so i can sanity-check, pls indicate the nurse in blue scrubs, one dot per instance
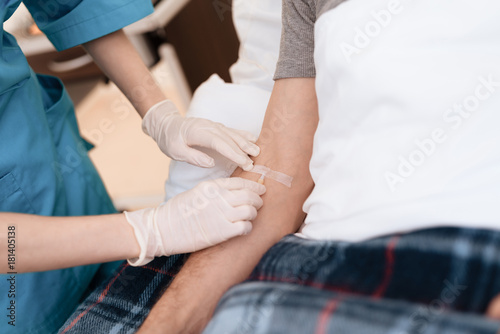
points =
(44, 167)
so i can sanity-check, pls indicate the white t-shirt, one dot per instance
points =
(409, 117)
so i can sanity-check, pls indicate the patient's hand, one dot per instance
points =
(286, 146)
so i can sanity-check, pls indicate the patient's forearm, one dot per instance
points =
(286, 146)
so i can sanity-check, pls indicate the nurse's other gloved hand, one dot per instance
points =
(176, 135)
(208, 214)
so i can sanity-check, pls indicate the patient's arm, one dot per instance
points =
(286, 146)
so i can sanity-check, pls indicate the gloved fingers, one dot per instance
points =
(223, 143)
(196, 157)
(245, 134)
(235, 183)
(244, 143)
(205, 133)
(244, 197)
(240, 228)
(242, 212)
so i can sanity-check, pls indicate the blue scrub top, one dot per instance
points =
(44, 167)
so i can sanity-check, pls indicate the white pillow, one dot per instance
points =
(258, 25)
(238, 106)
(242, 104)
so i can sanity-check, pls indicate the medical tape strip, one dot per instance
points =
(276, 176)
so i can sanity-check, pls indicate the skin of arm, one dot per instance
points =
(286, 143)
(493, 310)
(119, 60)
(47, 243)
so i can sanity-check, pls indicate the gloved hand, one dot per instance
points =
(176, 135)
(208, 214)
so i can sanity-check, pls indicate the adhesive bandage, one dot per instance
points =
(273, 175)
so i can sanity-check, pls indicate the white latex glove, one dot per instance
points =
(208, 214)
(176, 135)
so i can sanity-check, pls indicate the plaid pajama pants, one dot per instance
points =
(430, 281)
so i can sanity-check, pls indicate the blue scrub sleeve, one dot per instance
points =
(80, 21)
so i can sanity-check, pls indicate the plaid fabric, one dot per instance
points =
(271, 307)
(121, 304)
(430, 281)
